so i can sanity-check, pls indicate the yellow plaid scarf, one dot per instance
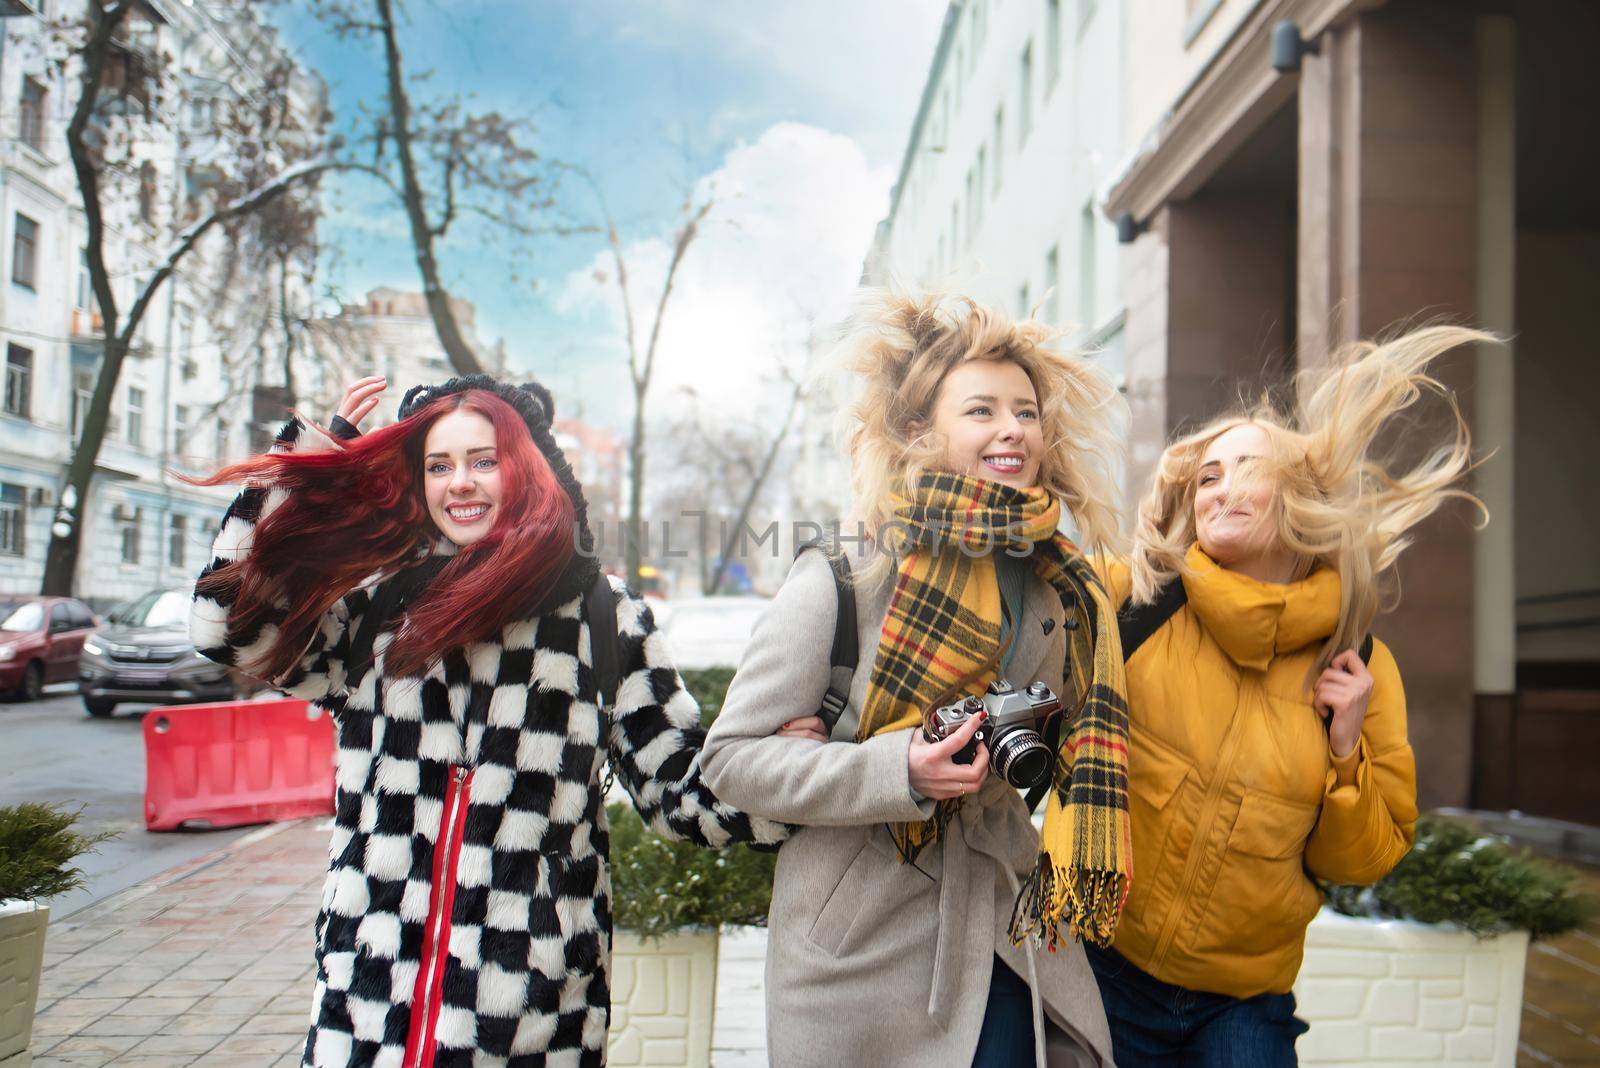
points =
(941, 641)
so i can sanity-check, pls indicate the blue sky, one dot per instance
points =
(796, 113)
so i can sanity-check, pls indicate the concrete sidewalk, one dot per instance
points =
(210, 964)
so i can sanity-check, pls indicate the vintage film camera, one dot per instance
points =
(1017, 753)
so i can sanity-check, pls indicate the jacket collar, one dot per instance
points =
(1254, 621)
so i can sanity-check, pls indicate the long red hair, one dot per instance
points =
(359, 510)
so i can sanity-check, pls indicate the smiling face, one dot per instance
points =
(988, 414)
(1233, 508)
(461, 476)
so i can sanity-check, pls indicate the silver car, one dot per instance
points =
(144, 655)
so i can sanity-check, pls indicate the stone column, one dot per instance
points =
(1494, 418)
(1388, 238)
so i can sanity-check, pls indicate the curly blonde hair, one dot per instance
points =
(1338, 504)
(900, 346)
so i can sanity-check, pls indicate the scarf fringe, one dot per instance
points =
(910, 839)
(1057, 896)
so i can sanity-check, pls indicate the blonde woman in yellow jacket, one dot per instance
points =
(1265, 753)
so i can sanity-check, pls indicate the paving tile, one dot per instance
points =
(83, 1008)
(218, 1005)
(174, 1045)
(115, 988)
(109, 1046)
(125, 1026)
(277, 1045)
(277, 1024)
(254, 988)
(297, 1000)
(190, 988)
(194, 1022)
(157, 1006)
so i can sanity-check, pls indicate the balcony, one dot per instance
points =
(86, 324)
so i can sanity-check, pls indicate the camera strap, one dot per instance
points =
(842, 658)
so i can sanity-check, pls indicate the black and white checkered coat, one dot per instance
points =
(526, 977)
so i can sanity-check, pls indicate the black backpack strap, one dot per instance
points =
(1365, 652)
(388, 597)
(1136, 622)
(600, 607)
(842, 658)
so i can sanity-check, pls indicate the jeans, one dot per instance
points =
(1156, 1023)
(1006, 1038)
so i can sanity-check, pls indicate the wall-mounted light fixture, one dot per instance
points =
(1129, 228)
(1288, 48)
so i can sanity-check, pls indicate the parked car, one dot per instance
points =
(40, 638)
(144, 655)
(709, 632)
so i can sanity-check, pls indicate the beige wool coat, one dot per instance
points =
(871, 961)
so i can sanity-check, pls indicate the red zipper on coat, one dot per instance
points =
(427, 998)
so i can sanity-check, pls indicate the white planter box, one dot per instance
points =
(662, 996)
(22, 925)
(1397, 993)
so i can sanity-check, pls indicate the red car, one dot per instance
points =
(40, 639)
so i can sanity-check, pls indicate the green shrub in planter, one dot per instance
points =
(1454, 874)
(661, 887)
(708, 686)
(37, 848)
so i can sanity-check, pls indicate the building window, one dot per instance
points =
(1086, 265)
(82, 397)
(1023, 302)
(177, 535)
(135, 416)
(1052, 44)
(971, 194)
(983, 178)
(999, 145)
(131, 520)
(956, 244)
(24, 248)
(85, 293)
(202, 115)
(1025, 95)
(1052, 284)
(180, 427)
(19, 381)
(31, 112)
(147, 193)
(13, 520)
(222, 438)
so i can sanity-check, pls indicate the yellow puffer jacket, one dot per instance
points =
(1236, 798)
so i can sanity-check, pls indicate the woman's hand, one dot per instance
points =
(1341, 695)
(360, 397)
(933, 771)
(808, 727)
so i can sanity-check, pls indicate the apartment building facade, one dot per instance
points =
(1019, 126)
(184, 402)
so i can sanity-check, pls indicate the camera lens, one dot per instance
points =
(1020, 757)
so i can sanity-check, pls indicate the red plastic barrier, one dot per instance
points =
(236, 763)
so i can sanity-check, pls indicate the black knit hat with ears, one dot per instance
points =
(537, 408)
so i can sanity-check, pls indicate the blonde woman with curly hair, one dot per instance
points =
(1269, 741)
(903, 903)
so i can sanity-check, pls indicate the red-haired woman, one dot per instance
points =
(425, 584)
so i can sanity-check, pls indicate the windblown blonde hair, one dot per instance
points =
(902, 345)
(1337, 504)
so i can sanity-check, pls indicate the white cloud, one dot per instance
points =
(780, 255)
